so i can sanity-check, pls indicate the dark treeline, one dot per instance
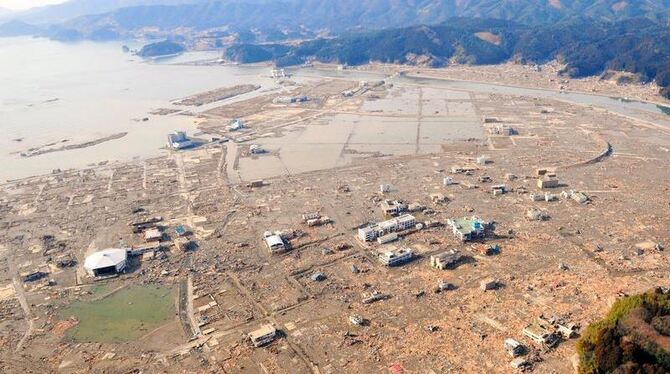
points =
(587, 47)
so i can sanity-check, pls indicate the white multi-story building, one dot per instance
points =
(179, 140)
(368, 233)
(375, 230)
(397, 257)
(405, 222)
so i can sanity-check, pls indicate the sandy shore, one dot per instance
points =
(50, 149)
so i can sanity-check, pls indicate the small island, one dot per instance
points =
(161, 49)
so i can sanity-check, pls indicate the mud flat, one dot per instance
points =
(402, 121)
(45, 149)
(217, 95)
(164, 111)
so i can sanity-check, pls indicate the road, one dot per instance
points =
(21, 296)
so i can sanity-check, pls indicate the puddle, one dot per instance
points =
(124, 315)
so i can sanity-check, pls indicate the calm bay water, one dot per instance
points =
(50, 91)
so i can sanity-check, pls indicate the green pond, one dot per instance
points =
(124, 315)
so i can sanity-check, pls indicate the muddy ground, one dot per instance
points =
(330, 154)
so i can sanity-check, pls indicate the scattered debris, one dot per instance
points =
(514, 348)
(489, 284)
(318, 277)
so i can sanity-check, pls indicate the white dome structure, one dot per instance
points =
(106, 262)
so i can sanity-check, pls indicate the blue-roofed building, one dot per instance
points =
(180, 230)
(468, 228)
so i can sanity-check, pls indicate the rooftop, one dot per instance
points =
(273, 240)
(467, 225)
(105, 258)
(262, 331)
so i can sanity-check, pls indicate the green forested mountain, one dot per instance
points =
(162, 48)
(587, 47)
(589, 36)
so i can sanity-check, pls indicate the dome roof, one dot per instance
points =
(105, 258)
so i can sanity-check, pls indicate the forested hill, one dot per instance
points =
(267, 20)
(341, 15)
(162, 48)
(586, 46)
(588, 35)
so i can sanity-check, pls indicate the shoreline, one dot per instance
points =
(44, 150)
(377, 69)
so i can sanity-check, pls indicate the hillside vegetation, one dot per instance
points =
(285, 19)
(589, 36)
(586, 47)
(634, 337)
(343, 15)
(163, 48)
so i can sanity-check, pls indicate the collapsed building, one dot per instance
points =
(237, 124)
(540, 334)
(275, 242)
(577, 196)
(290, 99)
(447, 260)
(548, 180)
(489, 284)
(501, 129)
(315, 219)
(393, 207)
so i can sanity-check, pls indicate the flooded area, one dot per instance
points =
(53, 92)
(93, 103)
(407, 121)
(631, 108)
(617, 105)
(123, 315)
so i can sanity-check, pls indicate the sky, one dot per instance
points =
(26, 4)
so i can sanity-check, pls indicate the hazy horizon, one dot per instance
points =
(27, 4)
